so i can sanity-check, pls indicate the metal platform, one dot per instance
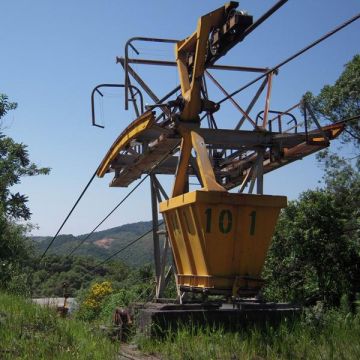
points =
(155, 319)
(158, 141)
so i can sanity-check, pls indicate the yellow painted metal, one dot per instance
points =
(197, 45)
(181, 171)
(139, 125)
(220, 239)
(191, 139)
(204, 164)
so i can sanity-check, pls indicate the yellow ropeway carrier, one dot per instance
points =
(219, 239)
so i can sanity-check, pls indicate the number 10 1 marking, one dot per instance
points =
(225, 217)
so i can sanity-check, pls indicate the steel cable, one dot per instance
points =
(68, 215)
(284, 62)
(122, 201)
(126, 246)
(300, 52)
(106, 217)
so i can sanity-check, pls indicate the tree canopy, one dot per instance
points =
(14, 164)
(315, 254)
(341, 100)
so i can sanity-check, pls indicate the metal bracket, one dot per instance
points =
(96, 90)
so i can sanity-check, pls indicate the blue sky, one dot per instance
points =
(54, 53)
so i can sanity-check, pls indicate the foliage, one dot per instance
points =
(341, 101)
(15, 164)
(311, 258)
(28, 331)
(14, 248)
(78, 272)
(336, 337)
(96, 295)
(102, 244)
(126, 297)
(6, 105)
(137, 286)
(315, 254)
(342, 178)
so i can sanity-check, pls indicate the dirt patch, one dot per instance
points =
(131, 352)
(104, 243)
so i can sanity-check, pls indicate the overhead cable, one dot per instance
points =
(68, 215)
(107, 216)
(122, 201)
(126, 246)
(300, 52)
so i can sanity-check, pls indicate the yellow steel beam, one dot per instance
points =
(197, 44)
(131, 132)
(205, 167)
(191, 139)
(181, 171)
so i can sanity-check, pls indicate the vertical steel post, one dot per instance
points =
(155, 221)
(267, 101)
(260, 172)
(164, 277)
(161, 287)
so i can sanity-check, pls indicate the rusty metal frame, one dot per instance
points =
(257, 156)
(96, 90)
(162, 274)
(236, 104)
(267, 99)
(128, 44)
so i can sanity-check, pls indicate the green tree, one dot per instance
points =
(14, 164)
(6, 105)
(315, 254)
(341, 101)
(311, 257)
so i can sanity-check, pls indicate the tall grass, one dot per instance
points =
(333, 336)
(28, 331)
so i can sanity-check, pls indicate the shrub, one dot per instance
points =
(91, 305)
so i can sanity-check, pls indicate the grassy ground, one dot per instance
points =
(28, 331)
(330, 336)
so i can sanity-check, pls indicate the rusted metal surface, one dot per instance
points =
(237, 106)
(156, 319)
(220, 158)
(289, 146)
(144, 163)
(226, 150)
(173, 64)
(128, 44)
(97, 90)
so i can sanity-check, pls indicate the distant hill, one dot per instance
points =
(104, 243)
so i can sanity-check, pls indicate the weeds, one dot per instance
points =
(28, 331)
(335, 337)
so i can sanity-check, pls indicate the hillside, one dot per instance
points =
(104, 243)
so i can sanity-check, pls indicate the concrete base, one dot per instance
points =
(155, 319)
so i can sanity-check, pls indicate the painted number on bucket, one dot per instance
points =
(225, 220)
(208, 219)
(253, 222)
(174, 222)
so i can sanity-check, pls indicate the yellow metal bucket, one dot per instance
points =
(220, 240)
